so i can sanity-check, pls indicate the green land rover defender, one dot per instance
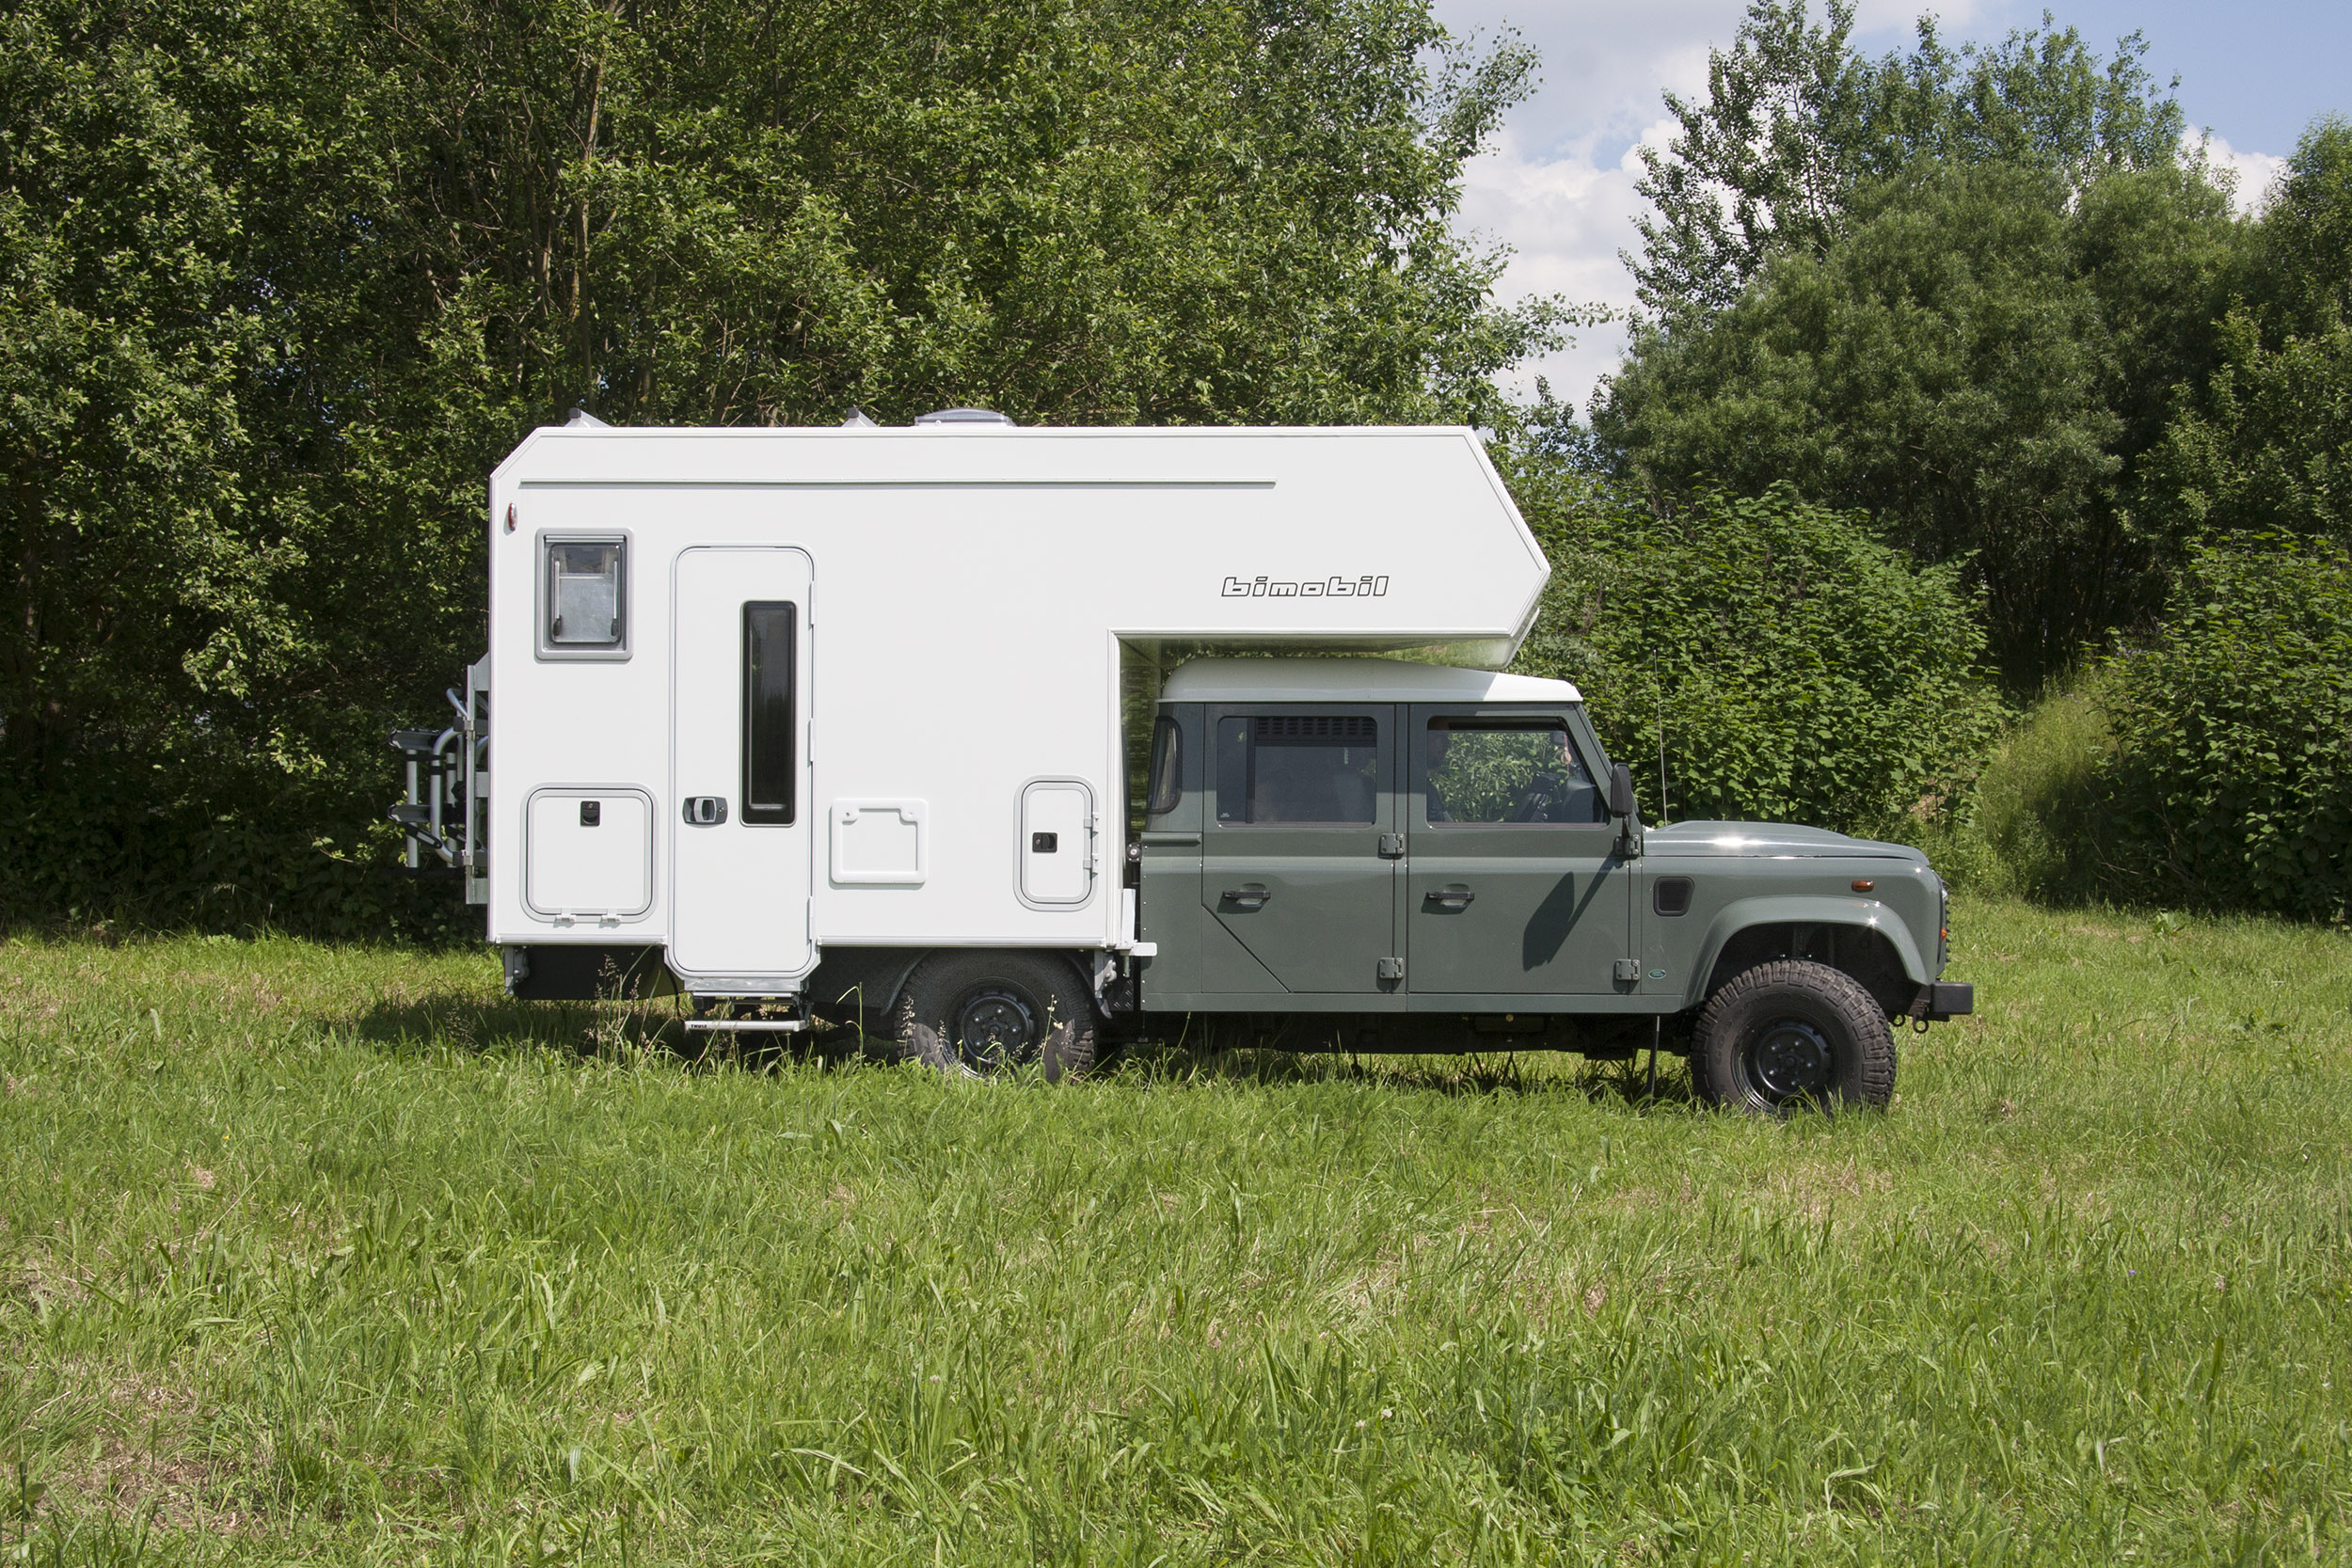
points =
(1368, 855)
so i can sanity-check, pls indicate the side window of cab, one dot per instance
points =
(1507, 769)
(1306, 769)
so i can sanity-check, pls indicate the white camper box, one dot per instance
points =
(948, 608)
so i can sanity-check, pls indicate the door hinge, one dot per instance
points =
(1629, 969)
(1392, 847)
(1390, 969)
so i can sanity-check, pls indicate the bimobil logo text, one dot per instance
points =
(1327, 588)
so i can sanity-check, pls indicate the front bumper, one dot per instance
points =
(1942, 1001)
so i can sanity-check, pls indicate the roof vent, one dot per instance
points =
(964, 415)
(859, 420)
(583, 420)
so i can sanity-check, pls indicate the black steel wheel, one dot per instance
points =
(1789, 1035)
(982, 1014)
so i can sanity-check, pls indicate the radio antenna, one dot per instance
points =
(1663, 819)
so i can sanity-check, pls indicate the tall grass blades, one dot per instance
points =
(326, 1254)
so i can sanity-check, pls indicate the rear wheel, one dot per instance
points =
(978, 1014)
(1791, 1033)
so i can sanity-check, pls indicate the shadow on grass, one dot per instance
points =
(472, 1024)
(469, 1023)
(1627, 1082)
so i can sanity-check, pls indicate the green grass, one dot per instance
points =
(327, 1254)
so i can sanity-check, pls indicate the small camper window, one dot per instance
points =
(585, 602)
(767, 636)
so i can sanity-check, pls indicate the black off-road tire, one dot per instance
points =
(1791, 1033)
(977, 1014)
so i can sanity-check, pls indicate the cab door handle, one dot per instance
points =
(1455, 898)
(1249, 897)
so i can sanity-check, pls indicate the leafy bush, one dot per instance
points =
(2212, 768)
(1798, 669)
(103, 847)
(1976, 362)
(2230, 779)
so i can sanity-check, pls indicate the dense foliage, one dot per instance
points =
(1795, 121)
(1987, 301)
(1974, 361)
(1956, 291)
(1789, 665)
(1984, 298)
(2213, 767)
(280, 280)
(2264, 443)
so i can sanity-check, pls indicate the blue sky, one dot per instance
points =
(1557, 187)
(2256, 73)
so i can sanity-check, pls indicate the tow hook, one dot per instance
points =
(1941, 1001)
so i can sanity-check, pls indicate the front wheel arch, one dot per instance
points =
(1864, 953)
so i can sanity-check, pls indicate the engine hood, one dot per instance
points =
(1767, 840)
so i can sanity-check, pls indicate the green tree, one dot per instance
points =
(1795, 122)
(2264, 444)
(1976, 361)
(280, 280)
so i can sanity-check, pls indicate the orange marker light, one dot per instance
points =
(1863, 884)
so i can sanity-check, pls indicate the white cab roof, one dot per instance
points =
(1353, 680)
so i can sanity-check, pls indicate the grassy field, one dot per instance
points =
(332, 1255)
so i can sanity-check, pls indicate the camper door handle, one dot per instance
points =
(1251, 896)
(704, 811)
(1449, 897)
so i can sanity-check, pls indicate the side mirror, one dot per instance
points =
(1621, 807)
(1620, 791)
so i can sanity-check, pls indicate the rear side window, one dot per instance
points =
(1305, 768)
(1494, 771)
(583, 596)
(1168, 767)
(769, 631)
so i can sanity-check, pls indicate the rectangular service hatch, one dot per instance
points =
(588, 853)
(1056, 843)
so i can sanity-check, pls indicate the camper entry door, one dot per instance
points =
(739, 869)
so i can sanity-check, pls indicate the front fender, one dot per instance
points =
(1802, 909)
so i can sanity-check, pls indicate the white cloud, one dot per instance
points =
(1567, 218)
(2254, 171)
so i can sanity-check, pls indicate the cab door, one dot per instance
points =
(1301, 851)
(738, 818)
(1513, 888)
